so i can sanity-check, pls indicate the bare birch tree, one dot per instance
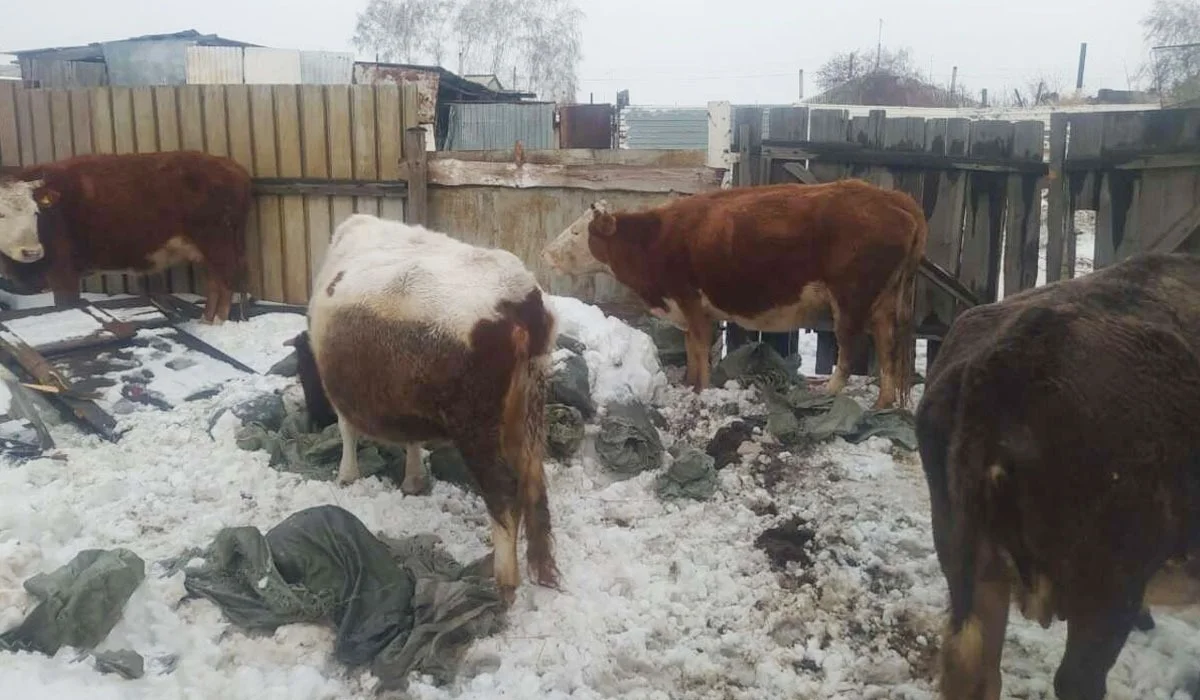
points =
(539, 40)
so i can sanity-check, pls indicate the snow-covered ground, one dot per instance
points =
(660, 599)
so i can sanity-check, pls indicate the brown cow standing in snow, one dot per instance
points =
(420, 338)
(141, 212)
(1059, 441)
(768, 258)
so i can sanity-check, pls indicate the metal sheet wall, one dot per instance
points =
(492, 125)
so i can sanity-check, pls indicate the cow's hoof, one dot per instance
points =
(345, 479)
(508, 595)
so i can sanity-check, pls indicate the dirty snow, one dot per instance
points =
(659, 600)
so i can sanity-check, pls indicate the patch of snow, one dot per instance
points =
(659, 599)
(54, 326)
(622, 361)
(257, 342)
(37, 301)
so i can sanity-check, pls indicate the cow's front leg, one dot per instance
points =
(699, 341)
(64, 284)
(416, 480)
(348, 469)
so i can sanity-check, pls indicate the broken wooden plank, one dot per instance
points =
(948, 282)
(801, 173)
(40, 368)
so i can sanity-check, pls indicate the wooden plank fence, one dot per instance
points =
(317, 153)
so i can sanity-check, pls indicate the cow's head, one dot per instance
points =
(571, 252)
(20, 201)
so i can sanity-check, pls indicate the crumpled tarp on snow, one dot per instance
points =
(796, 414)
(692, 474)
(628, 443)
(402, 605)
(81, 602)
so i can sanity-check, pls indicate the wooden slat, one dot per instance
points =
(294, 243)
(10, 135)
(60, 120)
(1022, 224)
(979, 267)
(190, 108)
(81, 121)
(178, 277)
(43, 128)
(316, 165)
(943, 200)
(366, 157)
(266, 164)
(25, 126)
(216, 130)
(390, 135)
(104, 140)
(123, 129)
(341, 150)
(145, 125)
(1058, 208)
(409, 106)
(416, 208)
(241, 149)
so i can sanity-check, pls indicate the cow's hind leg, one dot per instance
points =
(216, 307)
(416, 480)
(971, 653)
(1094, 641)
(883, 331)
(348, 468)
(847, 325)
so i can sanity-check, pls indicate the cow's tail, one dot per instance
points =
(903, 349)
(524, 443)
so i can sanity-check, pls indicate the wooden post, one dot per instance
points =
(416, 205)
(1082, 60)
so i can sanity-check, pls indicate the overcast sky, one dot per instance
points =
(685, 52)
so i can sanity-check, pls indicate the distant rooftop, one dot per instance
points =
(95, 52)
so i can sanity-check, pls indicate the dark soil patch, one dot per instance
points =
(789, 542)
(724, 444)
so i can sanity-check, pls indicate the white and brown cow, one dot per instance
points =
(419, 338)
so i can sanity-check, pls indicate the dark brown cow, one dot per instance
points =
(141, 212)
(769, 259)
(422, 338)
(1059, 441)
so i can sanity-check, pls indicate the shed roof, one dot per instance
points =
(95, 51)
(457, 86)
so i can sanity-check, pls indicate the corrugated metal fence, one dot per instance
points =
(486, 126)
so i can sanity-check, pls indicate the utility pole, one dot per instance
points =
(953, 79)
(800, 97)
(983, 97)
(879, 46)
(1082, 60)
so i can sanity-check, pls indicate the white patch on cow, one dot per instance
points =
(569, 254)
(410, 273)
(18, 221)
(814, 298)
(672, 314)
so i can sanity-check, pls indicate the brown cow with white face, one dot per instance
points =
(770, 259)
(421, 338)
(1059, 440)
(141, 212)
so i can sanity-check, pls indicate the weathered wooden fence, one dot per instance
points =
(317, 154)
(1140, 173)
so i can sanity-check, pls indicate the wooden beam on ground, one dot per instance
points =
(451, 172)
(328, 188)
(41, 370)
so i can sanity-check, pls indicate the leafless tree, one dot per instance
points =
(845, 66)
(1173, 71)
(539, 40)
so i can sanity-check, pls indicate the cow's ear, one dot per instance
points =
(46, 197)
(603, 225)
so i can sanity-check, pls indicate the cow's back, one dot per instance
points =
(753, 248)
(416, 334)
(117, 209)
